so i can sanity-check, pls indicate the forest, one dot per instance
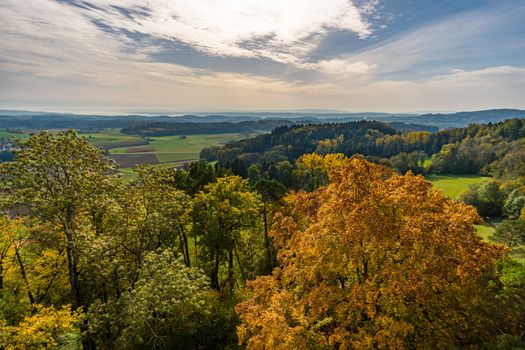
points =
(315, 236)
(170, 128)
(495, 149)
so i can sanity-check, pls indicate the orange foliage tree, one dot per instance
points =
(372, 260)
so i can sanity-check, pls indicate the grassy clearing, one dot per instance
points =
(130, 160)
(12, 136)
(189, 144)
(169, 149)
(454, 185)
(485, 231)
(176, 156)
(112, 139)
(129, 175)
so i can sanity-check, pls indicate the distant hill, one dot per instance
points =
(462, 119)
(43, 120)
(166, 128)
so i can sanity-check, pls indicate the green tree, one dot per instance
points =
(165, 212)
(514, 203)
(271, 192)
(224, 214)
(254, 173)
(164, 309)
(52, 179)
(510, 233)
(487, 198)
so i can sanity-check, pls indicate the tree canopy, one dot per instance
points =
(372, 260)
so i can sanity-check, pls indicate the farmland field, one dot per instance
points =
(130, 160)
(454, 185)
(174, 149)
(12, 136)
(113, 139)
(129, 150)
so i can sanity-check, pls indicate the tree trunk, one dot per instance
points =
(185, 249)
(87, 340)
(26, 281)
(72, 271)
(72, 264)
(195, 248)
(230, 270)
(270, 261)
(215, 273)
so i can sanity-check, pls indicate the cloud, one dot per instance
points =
(457, 90)
(46, 38)
(341, 66)
(469, 37)
(282, 30)
(99, 53)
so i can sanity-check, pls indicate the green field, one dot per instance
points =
(454, 185)
(169, 149)
(12, 136)
(112, 139)
(130, 175)
(485, 231)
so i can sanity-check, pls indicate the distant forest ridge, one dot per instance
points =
(485, 149)
(239, 122)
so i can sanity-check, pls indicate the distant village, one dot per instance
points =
(8, 146)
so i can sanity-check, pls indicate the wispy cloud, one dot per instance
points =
(467, 38)
(492, 87)
(341, 66)
(282, 30)
(102, 52)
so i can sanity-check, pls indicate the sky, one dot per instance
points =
(169, 56)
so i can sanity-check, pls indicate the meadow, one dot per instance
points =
(113, 138)
(129, 150)
(12, 136)
(176, 149)
(454, 185)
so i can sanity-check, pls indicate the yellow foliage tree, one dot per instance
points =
(372, 260)
(45, 329)
(31, 272)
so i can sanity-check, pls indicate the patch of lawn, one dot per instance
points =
(176, 156)
(485, 231)
(129, 175)
(113, 139)
(169, 149)
(454, 185)
(12, 136)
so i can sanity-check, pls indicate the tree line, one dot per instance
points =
(189, 128)
(495, 149)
